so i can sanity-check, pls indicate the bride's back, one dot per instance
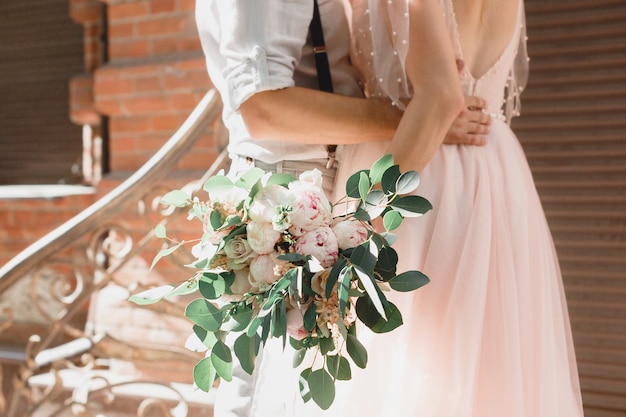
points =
(485, 28)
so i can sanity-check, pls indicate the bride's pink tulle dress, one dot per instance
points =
(489, 336)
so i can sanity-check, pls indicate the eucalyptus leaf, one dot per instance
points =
(343, 289)
(222, 360)
(408, 281)
(310, 317)
(204, 314)
(240, 317)
(245, 352)
(217, 184)
(370, 317)
(204, 374)
(357, 351)
(363, 258)
(160, 232)
(364, 186)
(389, 180)
(152, 295)
(280, 179)
(250, 178)
(207, 338)
(372, 291)
(375, 203)
(411, 205)
(378, 169)
(185, 288)
(303, 383)
(338, 367)
(322, 388)
(298, 357)
(392, 220)
(176, 198)
(215, 219)
(165, 252)
(194, 344)
(408, 182)
(212, 289)
(352, 184)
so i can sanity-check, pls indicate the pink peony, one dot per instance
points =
(262, 237)
(310, 210)
(295, 324)
(350, 233)
(263, 271)
(321, 244)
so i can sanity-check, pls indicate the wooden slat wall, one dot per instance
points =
(573, 128)
(40, 49)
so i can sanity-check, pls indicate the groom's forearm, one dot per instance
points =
(303, 115)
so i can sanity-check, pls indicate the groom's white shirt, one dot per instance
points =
(252, 46)
(257, 45)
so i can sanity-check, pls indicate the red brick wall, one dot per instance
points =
(153, 79)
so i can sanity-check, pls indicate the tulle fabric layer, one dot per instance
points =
(490, 335)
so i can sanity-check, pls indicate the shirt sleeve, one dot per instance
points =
(261, 43)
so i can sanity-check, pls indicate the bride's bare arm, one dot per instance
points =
(437, 97)
(297, 114)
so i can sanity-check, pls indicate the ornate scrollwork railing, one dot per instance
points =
(80, 258)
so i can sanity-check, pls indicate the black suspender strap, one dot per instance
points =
(323, 68)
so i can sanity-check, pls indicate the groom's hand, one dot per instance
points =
(471, 125)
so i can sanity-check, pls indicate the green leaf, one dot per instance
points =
(386, 265)
(411, 205)
(338, 367)
(408, 281)
(392, 220)
(352, 185)
(245, 352)
(291, 257)
(303, 383)
(322, 388)
(357, 351)
(165, 252)
(279, 320)
(375, 203)
(378, 169)
(394, 320)
(212, 289)
(160, 232)
(280, 179)
(222, 360)
(185, 288)
(204, 374)
(369, 316)
(215, 219)
(208, 338)
(343, 289)
(364, 186)
(310, 317)
(218, 184)
(363, 258)
(407, 182)
(249, 178)
(240, 317)
(254, 326)
(298, 357)
(176, 198)
(372, 291)
(152, 295)
(390, 177)
(327, 344)
(333, 276)
(204, 314)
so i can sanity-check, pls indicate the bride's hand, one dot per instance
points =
(471, 125)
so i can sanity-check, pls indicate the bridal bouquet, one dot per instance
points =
(273, 261)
